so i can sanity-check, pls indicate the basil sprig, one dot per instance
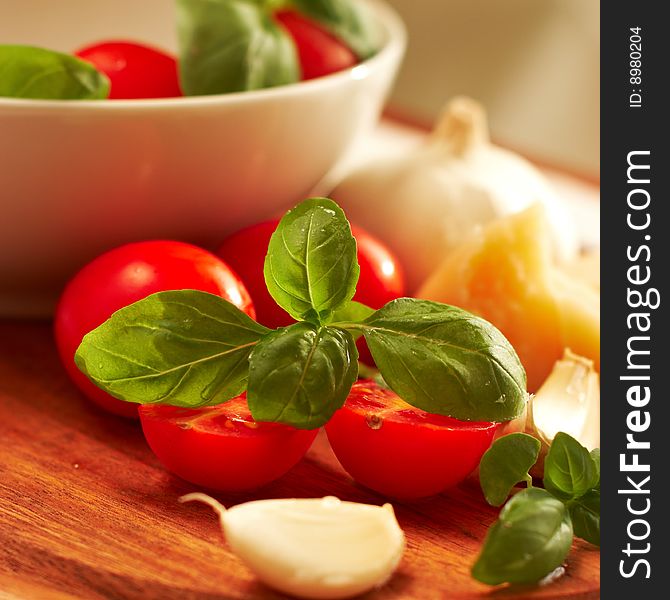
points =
(183, 348)
(40, 74)
(188, 348)
(534, 531)
(506, 463)
(530, 539)
(457, 355)
(302, 373)
(569, 469)
(311, 267)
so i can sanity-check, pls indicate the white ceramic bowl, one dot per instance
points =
(80, 177)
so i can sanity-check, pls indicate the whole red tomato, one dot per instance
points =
(381, 279)
(134, 70)
(400, 451)
(222, 447)
(123, 276)
(319, 52)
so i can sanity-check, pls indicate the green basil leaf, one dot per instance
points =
(232, 46)
(349, 20)
(529, 540)
(184, 348)
(446, 361)
(585, 515)
(595, 455)
(569, 469)
(311, 268)
(352, 312)
(301, 374)
(507, 463)
(36, 73)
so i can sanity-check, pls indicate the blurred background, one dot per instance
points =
(534, 64)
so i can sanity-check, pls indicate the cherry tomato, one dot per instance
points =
(134, 70)
(123, 276)
(319, 52)
(222, 447)
(245, 252)
(381, 279)
(400, 451)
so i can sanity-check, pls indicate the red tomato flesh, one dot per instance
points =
(400, 451)
(222, 447)
(319, 52)
(381, 279)
(123, 276)
(134, 70)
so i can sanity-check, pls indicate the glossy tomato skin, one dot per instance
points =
(319, 52)
(222, 447)
(400, 451)
(381, 279)
(123, 276)
(134, 70)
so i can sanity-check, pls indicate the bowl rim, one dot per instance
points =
(396, 39)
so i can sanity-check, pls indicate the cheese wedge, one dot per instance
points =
(504, 273)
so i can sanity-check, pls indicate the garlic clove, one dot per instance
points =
(569, 401)
(314, 547)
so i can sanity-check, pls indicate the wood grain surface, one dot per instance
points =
(86, 511)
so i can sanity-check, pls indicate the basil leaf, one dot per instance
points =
(505, 464)
(184, 348)
(446, 361)
(232, 46)
(301, 374)
(530, 539)
(352, 312)
(36, 73)
(585, 515)
(311, 268)
(595, 455)
(349, 20)
(569, 469)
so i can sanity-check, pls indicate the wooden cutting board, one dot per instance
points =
(86, 511)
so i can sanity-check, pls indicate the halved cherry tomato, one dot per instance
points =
(319, 52)
(400, 451)
(222, 447)
(134, 70)
(381, 279)
(123, 276)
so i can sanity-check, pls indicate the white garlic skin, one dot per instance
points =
(314, 548)
(425, 203)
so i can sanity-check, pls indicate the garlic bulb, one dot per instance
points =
(425, 203)
(313, 547)
(568, 401)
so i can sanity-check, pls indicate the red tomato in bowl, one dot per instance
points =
(319, 52)
(134, 70)
(381, 279)
(123, 276)
(222, 447)
(400, 451)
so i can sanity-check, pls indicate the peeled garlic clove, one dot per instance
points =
(313, 547)
(569, 401)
